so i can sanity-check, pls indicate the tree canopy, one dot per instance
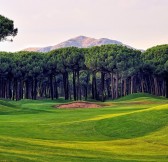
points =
(105, 72)
(7, 28)
(156, 59)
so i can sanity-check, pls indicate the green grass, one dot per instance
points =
(130, 129)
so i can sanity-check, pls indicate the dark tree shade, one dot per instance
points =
(7, 28)
(156, 59)
(106, 72)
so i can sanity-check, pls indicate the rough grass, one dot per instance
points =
(133, 129)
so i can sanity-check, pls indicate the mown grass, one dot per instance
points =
(133, 128)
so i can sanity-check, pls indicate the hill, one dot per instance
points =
(80, 42)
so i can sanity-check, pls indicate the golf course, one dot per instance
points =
(132, 128)
(84, 81)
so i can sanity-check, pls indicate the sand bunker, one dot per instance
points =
(79, 105)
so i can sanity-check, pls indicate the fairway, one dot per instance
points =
(132, 129)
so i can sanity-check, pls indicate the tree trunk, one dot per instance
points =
(116, 85)
(112, 86)
(132, 84)
(122, 88)
(51, 87)
(56, 88)
(125, 87)
(66, 85)
(86, 92)
(74, 85)
(107, 87)
(93, 93)
(102, 86)
(21, 90)
(27, 89)
(78, 87)
(142, 85)
(156, 85)
(35, 89)
(167, 88)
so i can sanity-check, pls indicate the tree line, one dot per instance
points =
(100, 73)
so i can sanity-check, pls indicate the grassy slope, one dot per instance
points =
(133, 128)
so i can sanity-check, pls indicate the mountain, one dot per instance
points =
(31, 49)
(80, 42)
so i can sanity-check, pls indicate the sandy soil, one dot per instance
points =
(79, 105)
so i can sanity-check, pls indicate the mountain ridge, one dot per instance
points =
(79, 41)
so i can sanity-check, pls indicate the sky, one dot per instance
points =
(138, 23)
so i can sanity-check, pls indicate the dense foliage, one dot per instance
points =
(156, 61)
(6, 28)
(108, 71)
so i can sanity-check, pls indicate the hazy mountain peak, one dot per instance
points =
(34, 49)
(80, 42)
(81, 37)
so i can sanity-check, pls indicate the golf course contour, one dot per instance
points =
(133, 128)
